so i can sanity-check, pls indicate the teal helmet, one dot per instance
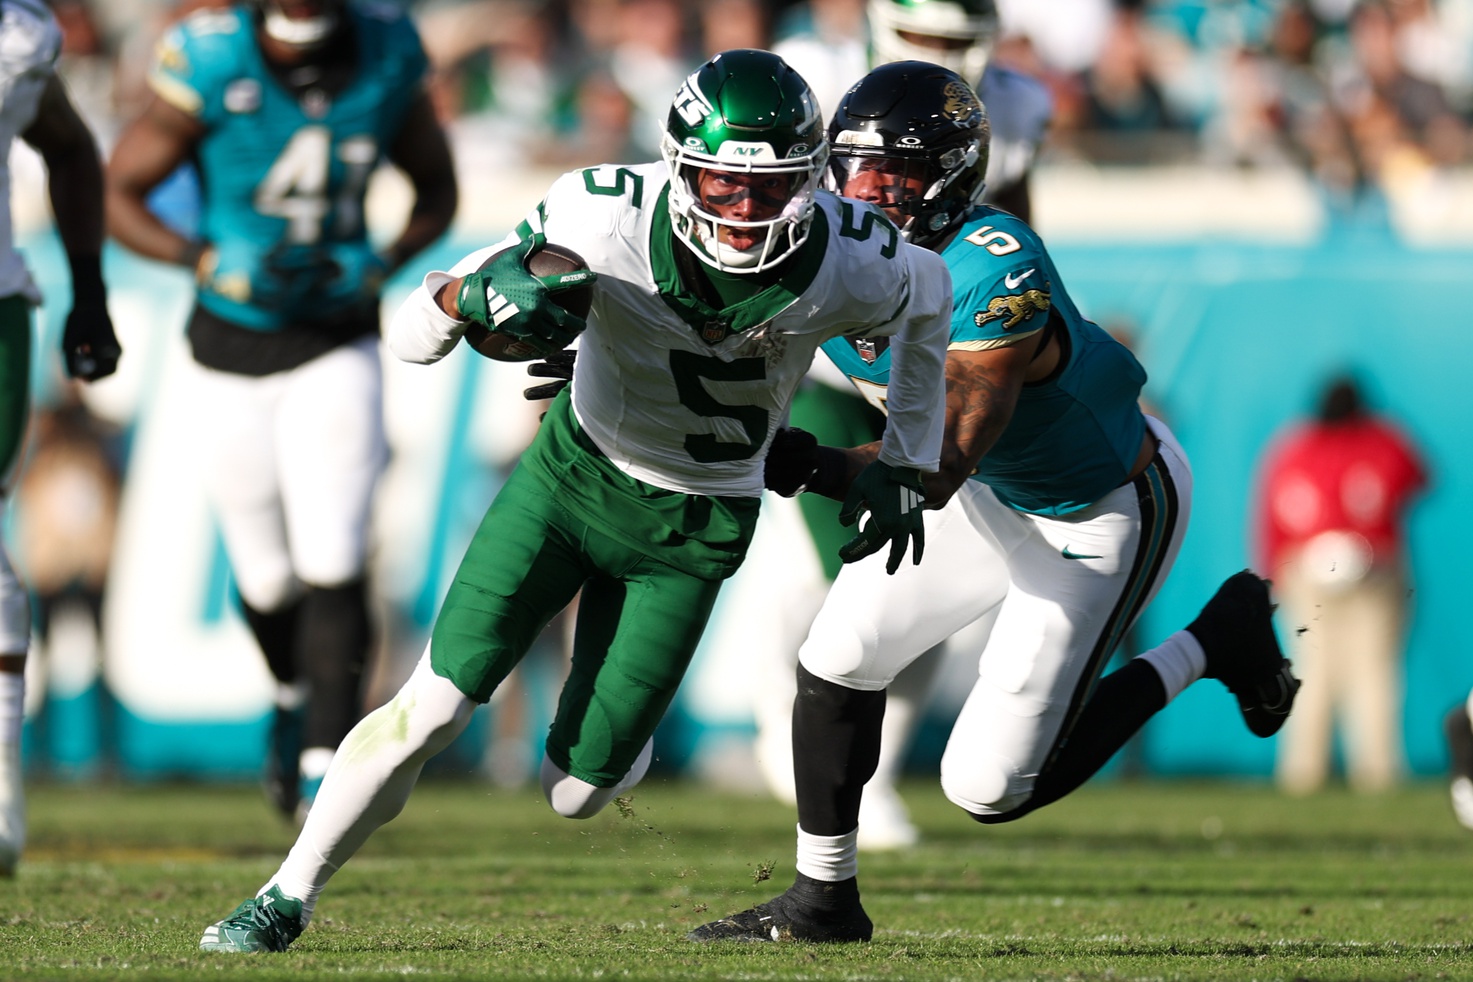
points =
(955, 34)
(744, 111)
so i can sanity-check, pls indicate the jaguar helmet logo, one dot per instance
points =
(1014, 309)
(960, 101)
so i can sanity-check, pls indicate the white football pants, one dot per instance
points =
(290, 462)
(1065, 589)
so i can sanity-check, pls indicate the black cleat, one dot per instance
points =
(1237, 634)
(810, 910)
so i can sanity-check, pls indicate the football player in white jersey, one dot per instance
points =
(719, 273)
(1059, 506)
(34, 106)
(959, 35)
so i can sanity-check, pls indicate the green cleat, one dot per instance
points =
(269, 922)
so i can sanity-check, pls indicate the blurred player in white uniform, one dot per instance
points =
(34, 106)
(720, 271)
(959, 35)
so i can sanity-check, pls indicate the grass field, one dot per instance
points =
(1121, 881)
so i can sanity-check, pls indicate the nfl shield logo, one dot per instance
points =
(714, 331)
(866, 349)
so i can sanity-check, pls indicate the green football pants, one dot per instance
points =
(639, 621)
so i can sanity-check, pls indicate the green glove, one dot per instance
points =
(504, 297)
(893, 496)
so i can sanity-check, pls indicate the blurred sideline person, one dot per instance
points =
(1064, 509)
(720, 271)
(287, 107)
(1331, 529)
(34, 105)
(959, 35)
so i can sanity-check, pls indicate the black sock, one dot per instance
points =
(836, 748)
(1119, 707)
(333, 637)
(276, 634)
(1459, 739)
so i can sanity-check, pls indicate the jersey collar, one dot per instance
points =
(716, 325)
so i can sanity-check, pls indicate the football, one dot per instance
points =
(550, 260)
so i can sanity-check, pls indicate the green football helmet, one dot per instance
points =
(955, 34)
(744, 111)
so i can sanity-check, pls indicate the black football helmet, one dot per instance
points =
(919, 120)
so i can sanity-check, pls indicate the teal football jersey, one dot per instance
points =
(284, 177)
(1074, 435)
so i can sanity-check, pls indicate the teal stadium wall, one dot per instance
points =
(1236, 337)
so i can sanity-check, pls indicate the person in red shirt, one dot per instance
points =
(1334, 493)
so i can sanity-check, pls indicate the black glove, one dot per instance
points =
(558, 365)
(894, 497)
(505, 297)
(88, 345)
(792, 462)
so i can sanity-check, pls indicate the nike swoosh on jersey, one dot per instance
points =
(1012, 280)
(1071, 554)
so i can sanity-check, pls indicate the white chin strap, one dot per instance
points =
(299, 33)
(725, 254)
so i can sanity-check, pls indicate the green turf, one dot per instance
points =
(1122, 881)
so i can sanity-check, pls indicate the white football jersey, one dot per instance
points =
(688, 398)
(30, 40)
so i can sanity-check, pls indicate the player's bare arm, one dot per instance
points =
(90, 349)
(74, 170)
(982, 390)
(421, 151)
(148, 151)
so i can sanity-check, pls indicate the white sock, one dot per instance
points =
(1179, 660)
(12, 791)
(12, 707)
(314, 762)
(370, 779)
(830, 858)
(571, 797)
(291, 695)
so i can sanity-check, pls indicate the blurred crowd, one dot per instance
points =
(1359, 93)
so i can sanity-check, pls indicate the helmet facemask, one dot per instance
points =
(955, 34)
(699, 228)
(927, 192)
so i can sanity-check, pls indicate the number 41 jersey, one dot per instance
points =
(687, 397)
(285, 175)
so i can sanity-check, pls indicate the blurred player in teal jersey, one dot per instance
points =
(1059, 506)
(34, 106)
(287, 107)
